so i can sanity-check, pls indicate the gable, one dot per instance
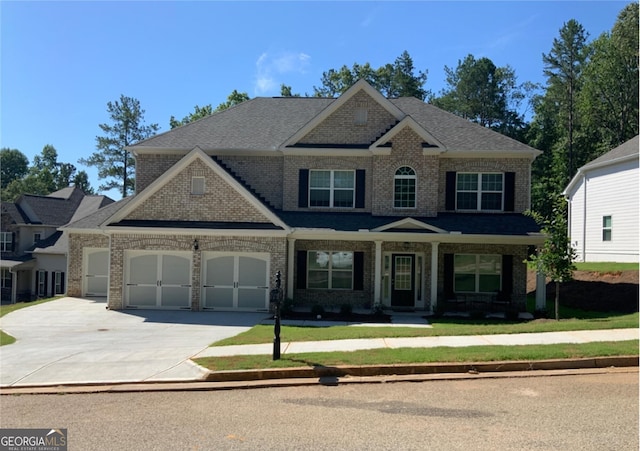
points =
(220, 202)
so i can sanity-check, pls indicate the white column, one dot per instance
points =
(377, 284)
(14, 285)
(290, 253)
(434, 275)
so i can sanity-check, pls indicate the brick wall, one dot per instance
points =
(264, 174)
(151, 167)
(220, 202)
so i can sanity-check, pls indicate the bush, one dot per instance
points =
(317, 309)
(346, 309)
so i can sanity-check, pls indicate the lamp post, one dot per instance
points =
(276, 297)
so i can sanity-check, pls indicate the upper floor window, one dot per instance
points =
(197, 185)
(6, 241)
(606, 228)
(37, 236)
(331, 188)
(477, 273)
(404, 188)
(479, 191)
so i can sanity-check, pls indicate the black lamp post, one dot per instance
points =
(276, 297)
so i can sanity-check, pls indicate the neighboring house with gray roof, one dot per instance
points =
(357, 200)
(33, 250)
(604, 205)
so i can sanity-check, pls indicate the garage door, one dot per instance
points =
(235, 281)
(96, 272)
(158, 280)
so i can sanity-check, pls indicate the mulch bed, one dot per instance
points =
(337, 316)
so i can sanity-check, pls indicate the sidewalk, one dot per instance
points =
(580, 336)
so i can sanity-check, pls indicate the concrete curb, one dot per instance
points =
(294, 377)
(419, 368)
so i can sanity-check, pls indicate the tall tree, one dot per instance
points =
(235, 98)
(609, 102)
(13, 166)
(488, 95)
(392, 80)
(563, 67)
(198, 113)
(112, 158)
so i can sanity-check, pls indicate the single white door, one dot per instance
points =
(235, 281)
(158, 280)
(96, 273)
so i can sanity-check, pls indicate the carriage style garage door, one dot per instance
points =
(158, 280)
(235, 281)
(96, 272)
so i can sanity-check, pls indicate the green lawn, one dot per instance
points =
(6, 339)
(423, 355)
(441, 327)
(606, 267)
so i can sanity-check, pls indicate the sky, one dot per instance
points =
(62, 62)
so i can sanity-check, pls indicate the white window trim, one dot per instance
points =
(41, 289)
(6, 239)
(198, 185)
(406, 177)
(57, 284)
(39, 234)
(479, 192)
(329, 270)
(6, 279)
(607, 229)
(477, 272)
(332, 188)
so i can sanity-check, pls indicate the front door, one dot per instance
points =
(402, 280)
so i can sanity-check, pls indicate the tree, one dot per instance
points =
(609, 101)
(13, 166)
(235, 98)
(112, 158)
(198, 113)
(488, 95)
(555, 257)
(392, 80)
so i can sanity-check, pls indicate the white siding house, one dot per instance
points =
(603, 206)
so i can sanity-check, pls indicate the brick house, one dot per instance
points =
(33, 250)
(358, 199)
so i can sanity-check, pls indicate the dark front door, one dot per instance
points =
(402, 284)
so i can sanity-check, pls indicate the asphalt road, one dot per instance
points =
(579, 412)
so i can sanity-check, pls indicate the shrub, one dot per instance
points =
(346, 309)
(317, 309)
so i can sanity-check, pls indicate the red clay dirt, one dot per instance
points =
(602, 292)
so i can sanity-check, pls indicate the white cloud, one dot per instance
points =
(270, 66)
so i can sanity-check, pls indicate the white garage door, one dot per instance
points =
(158, 280)
(235, 281)
(96, 272)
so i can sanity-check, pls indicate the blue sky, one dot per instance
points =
(61, 62)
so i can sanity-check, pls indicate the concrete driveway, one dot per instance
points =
(74, 340)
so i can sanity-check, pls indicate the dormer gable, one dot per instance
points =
(429, 143)
(409, 224)
(354, 120)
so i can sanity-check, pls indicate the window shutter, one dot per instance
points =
(37, 283)
(12, 245)
(509, 191)
(46, 280)
(62, 287)
(448, 276)
(53, 283)
(360, 181)
(358, 271)
(303, 188)
(301, 266)
(507, 275)
(450, 192)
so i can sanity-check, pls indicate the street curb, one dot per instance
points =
(419, 368)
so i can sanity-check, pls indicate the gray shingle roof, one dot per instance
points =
(94, 220)
(266, 123)
(625, 149)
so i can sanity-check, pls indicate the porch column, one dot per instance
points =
(434, 275)
(377, 284)
(290, 253)
(14, 286)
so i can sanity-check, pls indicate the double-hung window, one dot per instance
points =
(330, 270)
(6, 241)
(331, 188)
(5, 279)
(606, 228)
(479, 191)
(57, 282)
(404, 188)
(477, 273)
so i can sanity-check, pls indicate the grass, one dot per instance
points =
(5, 309)
(423, 355)
(441, 327)
(606, 267)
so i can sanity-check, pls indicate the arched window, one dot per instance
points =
(404, 188)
